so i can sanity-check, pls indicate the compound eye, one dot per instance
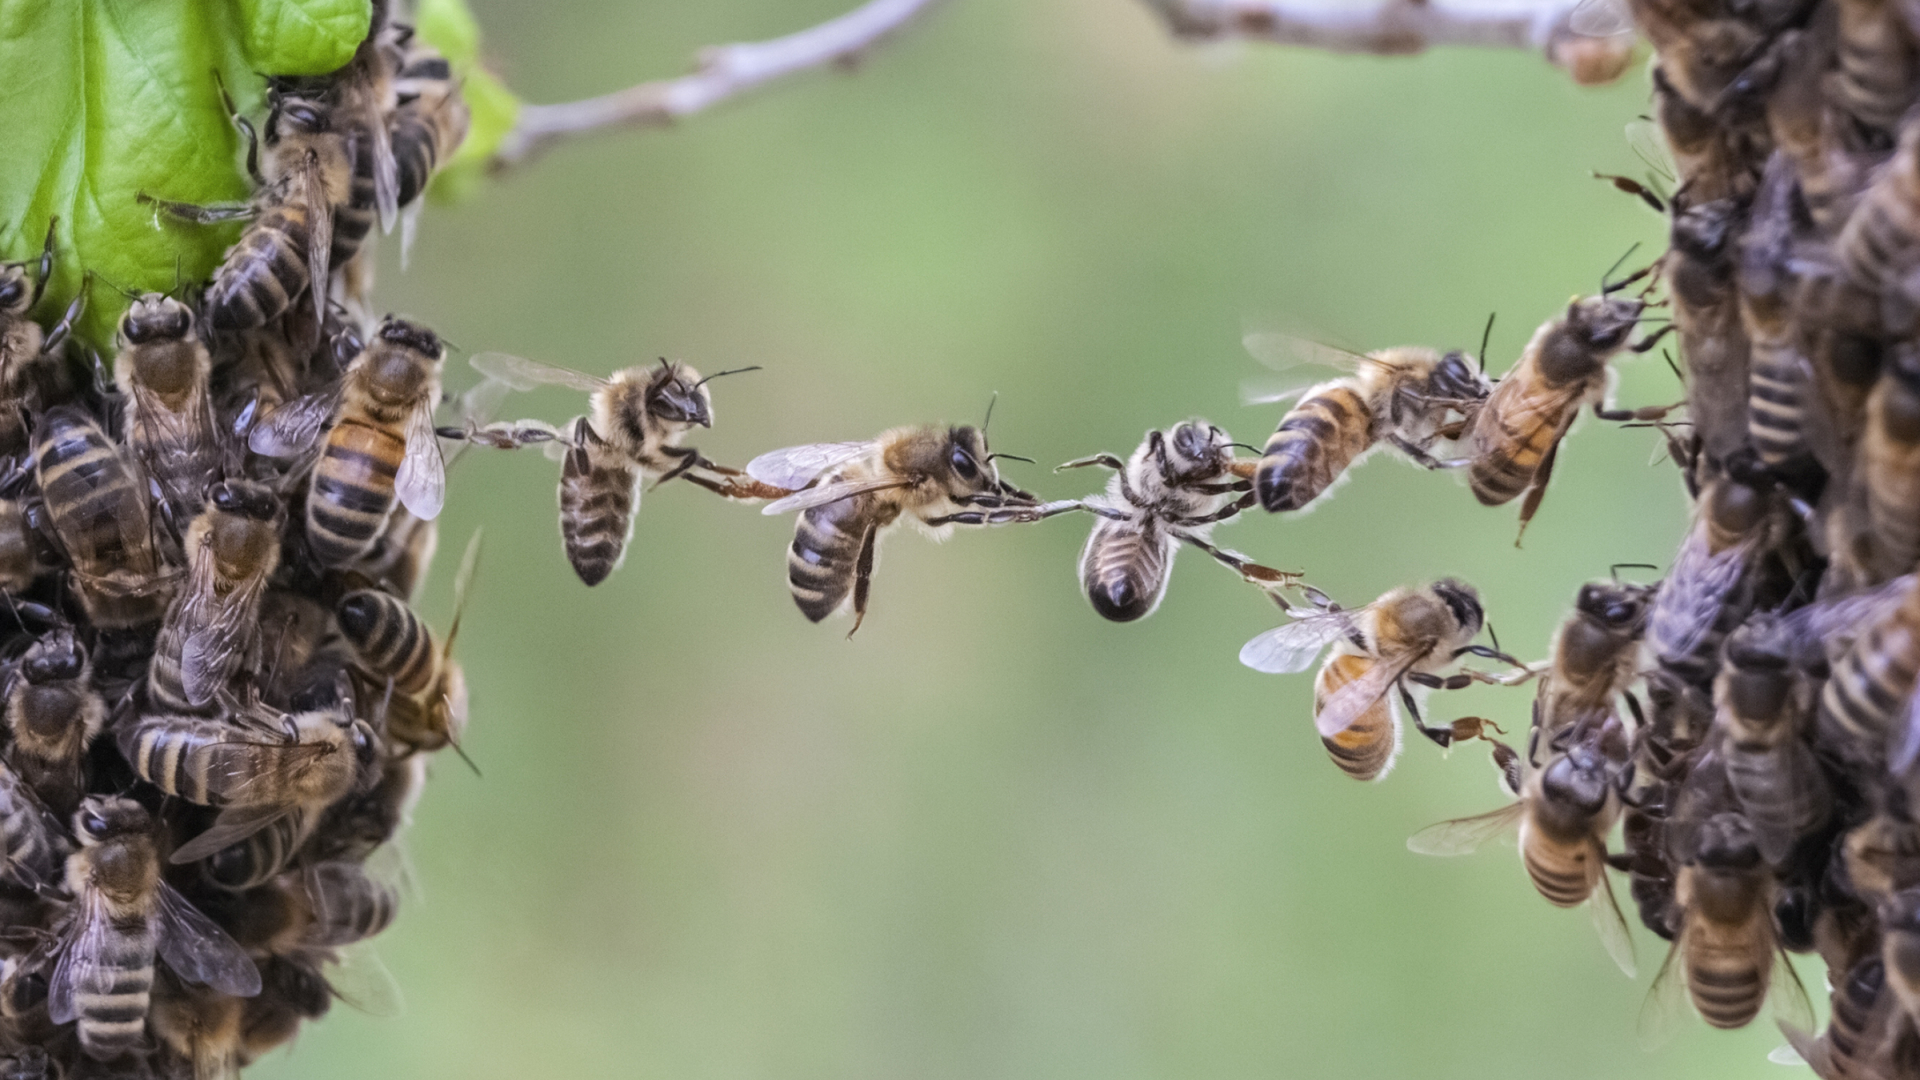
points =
(962, 463)
(1619, 613)
(12, 292)
(93, 824)
(223, 498)
(306, 116)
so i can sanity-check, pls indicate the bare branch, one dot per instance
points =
(723, 72)
(1401, 27)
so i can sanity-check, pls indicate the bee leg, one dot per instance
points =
(1647, 343)
(245, 127)
(862, 578)
(1419, 456)
(46, 264)
(1536, 491)
(689, 457)
(1264, 576)
(210, 214)
(1633, 706)
(57, 336)
(1105, 461)
(1644, 414)
(1443, 736)
(1008, 515)
(1489, 653)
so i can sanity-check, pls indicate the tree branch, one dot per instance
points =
(723, 72)
(1401, 27)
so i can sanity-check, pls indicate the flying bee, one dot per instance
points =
(97, 509)
(1708, 590)
(1516, 434)
(212, 629)
(1890, 464)
(1595, 655)
(53, 714)
(1727, 954)
(124, 916)
(1174, 488)
(381, 444)
(1763, 708)
(1564, 813)
(850, 493)
(636, 420)
(163, 370)
(252, 774)
(427, 708)
(1406, 636)
(1401, 398)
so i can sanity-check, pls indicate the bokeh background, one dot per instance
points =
(994, 835)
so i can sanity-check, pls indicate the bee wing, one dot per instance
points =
(521, 373)
(1284, 650)
(1787, 995)
(79, 955)
(291, 429)
(1351, 701)
(1282, 352)
(831, 493)
(1269, 392)
(1665, 999)
(319, 231)
(386, 172)
(1600, 18)
(1691, 597)
(1612, 925)
(207, 659)
(199, 951)
(1818, 630)
(234, 824)
(795, 467)
(421, 482)
(1461, 836)
(1646, 140)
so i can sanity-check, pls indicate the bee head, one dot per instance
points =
(1615, 606)
(676, 395)
(1463, 603)
(1454, 378)
(244, 498)
(15, 289)
(156, 317)
(291, 112)
(410, 335)
(57, 657)
(966, 460)
(1197, 448)
(1602, 323)
(1576, 783)
(1725, 842)
(105, 817)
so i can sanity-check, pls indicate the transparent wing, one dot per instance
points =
(197, 949)
(830, 493)
(234, 824)
(386, 173)
(797, 466)
(1463, 835)
(291, 429)
(1644, 137)
(1612, 925)
(1601, 18)
(1787, 995)
(319, 232)
(1350, 702)
(1284, 650)
(1806, 1048)
(1283, 352)
(1666, 1000)
(523, 374)
(1819, 630)
(421, 482)
(212, 651)
(1272, 391)
(86, 942)
(359, 979)
(1691, 597)
(1785, 1054)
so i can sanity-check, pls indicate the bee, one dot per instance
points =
(124, 916)
(381, 443)
(429, 124)
(1174, 488)
(53, 714)
(253, 775)
(1727, 954)
(1406, 636)
(1564, 814)
(1401, 397)
(212, 628)
(636, 420)
(1874, 80)
(1890, 465)
(1866, 1036)
(163, 370)
(1763, 706)
(427, 707)
(1707, 590)
(1900, 948)
(850, 493)
(346, 904)
(1780, 376)
(1699, 268)
(97, 509)
(1714, 161)
(1881, 855)
(1879, 245)
(31, 838)
(291, 991)
(198, 1025)
(1595, 655)
(1865, 704)
(1516, 435)
(355, 826)
(23, 344)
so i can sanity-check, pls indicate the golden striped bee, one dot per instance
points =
(850, 493)
(429, 123)
(1764, 707)
(163, 370)
(1889, 465)
(381, 443)
(124, 917)
(636, 420)
(1174, 488)
(1409, 398)
(97, 509)
(1879, 246)
(1564, 812)
(212, 628)
(426, 706)
(1868, 707)
(1780, 377)
(1867, 1035)
(1406, 636)
(53, 714)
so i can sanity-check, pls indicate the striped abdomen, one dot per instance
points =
(348, 906)
(202, 761)
(1854, 1017)
(1777, 384)
(264, 272)
(18, 563)
(1727, 969)
(1516, 428)
(26, 834)
(166, 687)
(826, 546)
(417, 137)
(389, 638)
(52, 724)
(111, 994)
(352, 492)
(1870, 685)
(255, 860)
(1873, 82)
(1562, 871)
(599, 495)
(98, 510)
(1365, 750)
(1123, 569)
(1780, 789)
(1314, 444)
(1881, 238)
(1890, 464)
(353, 219)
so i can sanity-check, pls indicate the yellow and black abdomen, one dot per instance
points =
(1123, 569)
(352, 492)
(112, 994)
(1870, 685)
(822, 562)
(1727, 974)
(1777, 385)
(1511, 438)
(353, 219)
(1366, 749)
(599, 494)
(264, 272)
(1314, 444)
(389, 638)
(1563, 871)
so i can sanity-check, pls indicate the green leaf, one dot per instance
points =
(105, 99)
(448, 25)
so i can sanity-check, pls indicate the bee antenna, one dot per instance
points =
(1619, 566)
(1012, 457)
(116, 286)
(1486, 335)
(1245, 446)
(1604, 278)
(1675, 368)
(988, 422)
(461, 750)
(729, 371)
(1493, 635)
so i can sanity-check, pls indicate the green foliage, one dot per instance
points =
(448, 25)
(105, 99)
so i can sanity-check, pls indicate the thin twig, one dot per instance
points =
(723, 72)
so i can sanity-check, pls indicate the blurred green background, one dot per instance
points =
(994, 835)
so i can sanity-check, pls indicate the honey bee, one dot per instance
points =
(1879, 246)
(427, 707)
(1866, 705)
(124, 916)
(97, 510)
(1595, 655)
(252, 774)
(850, 493)
(291, 991)
(1174, 488)
(632, 432)
(1564, 813)
(1763, 707)
(1707, 590)
(1900, 948)
(1726, 954)
(429, 124)
(1866, 1035)
(22, 343)
(382, 442)
(1874, 80)
(163, 370)
(31, 838)
(346, 904)
(258, 857)
(1890, 464)
(1406, 636)
(1517, 433)
(1780, 377)
(212, 627)
(198, 1025)
(53, 714)
(1401, 398)
(1714, 161)
(1699, 269)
